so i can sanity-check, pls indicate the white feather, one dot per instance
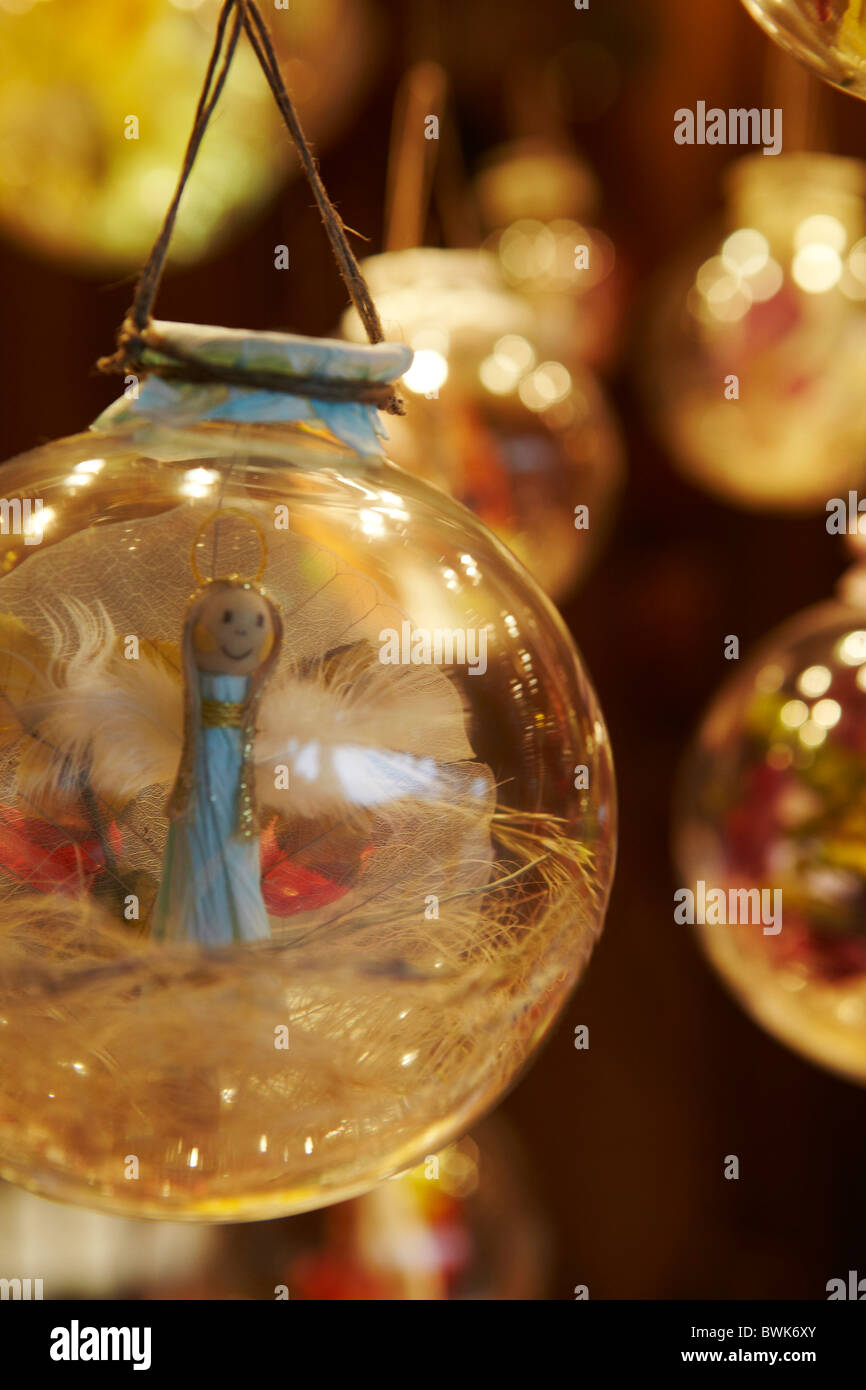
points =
(363, 736)
(120, 719)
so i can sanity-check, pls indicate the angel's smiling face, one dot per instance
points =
(234, 632)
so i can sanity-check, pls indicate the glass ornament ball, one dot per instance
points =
(95, 109)
(828, 36)
(526, 441)
(757, 340)
(434, 867)
(771, 798)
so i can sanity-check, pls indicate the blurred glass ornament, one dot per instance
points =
(96, 101)
(523, 439)
(540, 200)
(426, 923)
(829, 36)
(435, 1233)
(773, 797)
(777, 313)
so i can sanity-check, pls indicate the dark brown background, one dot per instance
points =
(625, 1142)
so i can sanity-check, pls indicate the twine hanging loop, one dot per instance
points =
(136, 333)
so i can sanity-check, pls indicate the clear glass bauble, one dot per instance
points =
(772, 798)
(420, 946)
(757, 341)
(523, 439)
(95, 108)
(829, 36)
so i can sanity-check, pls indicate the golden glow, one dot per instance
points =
(852, 648)
(815, 680)
(812, 734)
(515, 351)
(429, 371)
(37, 522)
(85, 472)
(527, 249)
(79, 182)
(853, 282)
(459, 1169)
(512, 357)
(726, 295)
(766, 282)
(745, 252)
(547, 385)
(711, 271)
(794, 713)
(769, 678)
(857, 259)
(827, 713)
(817, 267)
(498, 378)
(821, 230)
(198, 481)
(744, 273)
(372, 522)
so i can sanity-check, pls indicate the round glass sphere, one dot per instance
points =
(96, 106)
(434, 879)
(829, 36)
(434, 1233)
(524, 440)
(771, 799)
(758, 338)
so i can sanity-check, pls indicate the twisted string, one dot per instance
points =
(136, 335)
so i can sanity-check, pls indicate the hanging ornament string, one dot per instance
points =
(137, 334)
(429, 169)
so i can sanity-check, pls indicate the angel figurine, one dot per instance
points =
(210, 889)
(367, 751)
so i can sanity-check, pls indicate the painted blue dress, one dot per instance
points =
(211, 878)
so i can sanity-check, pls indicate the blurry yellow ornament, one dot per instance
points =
(771, 832)
(829, 36)
(96, 100)
(521, 437)
(757, 349)
(540, 200)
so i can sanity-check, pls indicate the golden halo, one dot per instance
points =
(200, 580)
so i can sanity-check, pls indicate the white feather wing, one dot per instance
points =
(366, 737)
(118, 719)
